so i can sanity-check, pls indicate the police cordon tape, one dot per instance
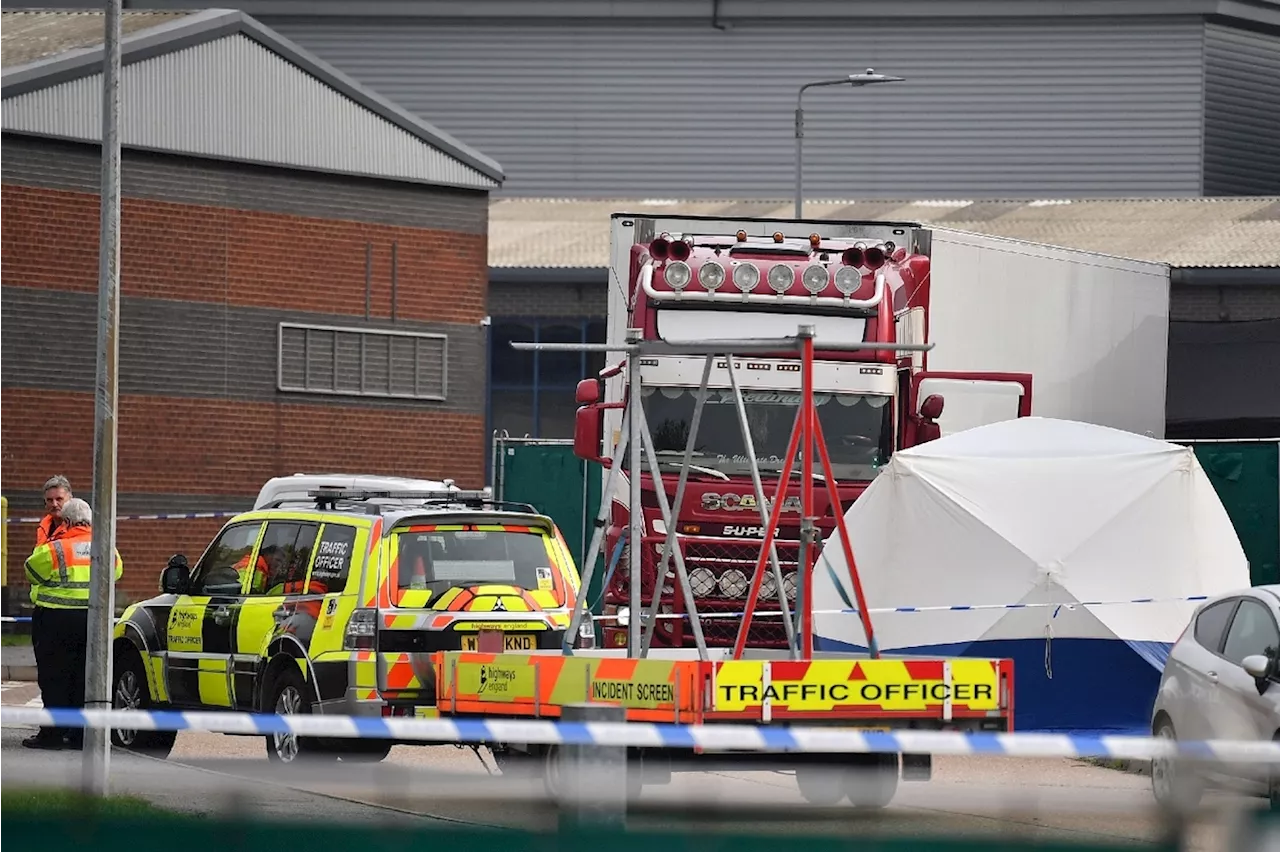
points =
(1067, 605)
(26, 619)
(873, 610)
(179, 516)
(726, 736)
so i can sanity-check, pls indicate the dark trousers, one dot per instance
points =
(59, 638)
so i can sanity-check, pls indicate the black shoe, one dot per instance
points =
(74, 743)
(43, 741)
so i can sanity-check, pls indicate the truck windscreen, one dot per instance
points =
(858, 429)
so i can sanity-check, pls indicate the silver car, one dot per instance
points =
(1221, 682)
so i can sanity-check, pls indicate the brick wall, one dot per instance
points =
(253, 242)
(240, 257)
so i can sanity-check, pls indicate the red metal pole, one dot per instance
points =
(845, 543)
(809, 416)
(771, 529)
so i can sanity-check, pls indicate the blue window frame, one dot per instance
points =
(532, 393)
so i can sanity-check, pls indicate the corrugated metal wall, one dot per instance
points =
(1242, 112)
(232, 98)
(993, 108)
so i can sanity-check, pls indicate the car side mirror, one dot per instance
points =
(176, 577)
(1259, 667)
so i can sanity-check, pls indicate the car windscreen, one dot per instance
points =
(473, 557)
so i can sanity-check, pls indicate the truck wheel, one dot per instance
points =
(820, 785)
(552, 781)
(513, 763)
(1174, 782)
(129, 691)
(872, 780)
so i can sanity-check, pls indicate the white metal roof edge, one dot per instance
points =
(213, 24)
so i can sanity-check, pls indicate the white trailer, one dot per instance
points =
(1091, 329)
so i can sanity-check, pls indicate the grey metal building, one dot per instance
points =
(695, 98)
(549, 279)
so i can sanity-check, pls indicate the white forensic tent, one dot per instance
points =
(1038, 511)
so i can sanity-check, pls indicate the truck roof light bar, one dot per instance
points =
(758, 346)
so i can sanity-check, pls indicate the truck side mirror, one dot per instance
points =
(587, 392)
(176, 577)
(588, 426)
(927, 428)
(931, 408)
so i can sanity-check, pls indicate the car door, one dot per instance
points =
(202, 623)
(286, 549)
(1243, 713)
(1189, 686)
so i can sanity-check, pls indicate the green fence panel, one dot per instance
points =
(559, 484)
(1246, 475)
(159, 834)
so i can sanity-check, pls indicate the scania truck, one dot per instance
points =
(1017, 329)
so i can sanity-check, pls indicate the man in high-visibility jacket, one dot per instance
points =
(57, 491)
(59, 575)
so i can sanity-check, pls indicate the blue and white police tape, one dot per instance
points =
(1067, 605)
(727, 736)
(26, 619)
(178, 516)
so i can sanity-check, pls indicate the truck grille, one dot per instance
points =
(720, 572)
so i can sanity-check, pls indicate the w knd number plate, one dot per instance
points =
(510, 642)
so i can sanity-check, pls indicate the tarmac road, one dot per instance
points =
(981, 796)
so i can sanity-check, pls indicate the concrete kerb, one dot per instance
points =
(23, 673)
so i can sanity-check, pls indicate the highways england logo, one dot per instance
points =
(495, 679)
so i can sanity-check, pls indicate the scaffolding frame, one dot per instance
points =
(636, 444)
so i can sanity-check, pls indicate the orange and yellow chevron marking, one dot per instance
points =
(486, 598)
(400, 674)
(445, 601)
(557, 680)
(893, 686)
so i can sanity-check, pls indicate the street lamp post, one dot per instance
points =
(865, 79)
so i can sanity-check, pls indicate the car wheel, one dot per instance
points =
(364, 751)
(1174, 782)
(872, 780)
(129, 691)
(1273, 782)
(287, 696)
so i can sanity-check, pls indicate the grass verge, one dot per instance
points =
(13, 640)
(40, 802)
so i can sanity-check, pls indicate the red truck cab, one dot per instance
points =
(691, 280)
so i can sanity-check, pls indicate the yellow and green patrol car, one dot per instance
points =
(336, 605)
